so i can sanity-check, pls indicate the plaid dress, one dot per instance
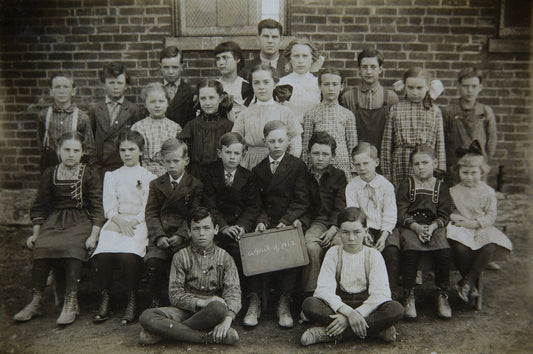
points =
(155, 132)
(410, 124)
(338, 122)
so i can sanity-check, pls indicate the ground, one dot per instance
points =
(503, 325)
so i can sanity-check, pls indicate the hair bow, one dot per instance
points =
(474, 149)
(282, 93)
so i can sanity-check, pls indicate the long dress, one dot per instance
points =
(338, 122)
(477, 203)
(409, 124)
(305, 93)
(125, 193)
(250, 125)
(423, 206)
(66, 211)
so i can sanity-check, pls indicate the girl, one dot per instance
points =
(252, 120)
(302, 54)
(423, 211)
(124, 237)
(473, 238)
(203, 132)
(414, 120)
(67, 216)
(155, 128)
(331, 117)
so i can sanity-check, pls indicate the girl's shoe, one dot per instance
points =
(103, 310)
(443, 305)
(70, 309)
(410, 307)
(34, 308)
(131, 309)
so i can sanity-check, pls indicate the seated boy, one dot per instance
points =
(352, 297)
(170, 200)
(374, 195)
(327, 185)
(284, 190)
(370, 102)
(61, 117)
(112, 116)
(204, 291)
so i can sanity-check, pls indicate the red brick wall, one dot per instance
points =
(39, 37)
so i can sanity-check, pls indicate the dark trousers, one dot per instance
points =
(232, 247)
(129, 263)
(386, 315)
(186, 326)
(469, 262)
(285, 280)
(158, 273)
(391, 255)
(66, 270)
(441, 260)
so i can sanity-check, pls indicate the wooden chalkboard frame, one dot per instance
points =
(258, 260)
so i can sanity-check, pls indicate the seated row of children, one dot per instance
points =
(276, 193)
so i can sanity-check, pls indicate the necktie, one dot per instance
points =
(371, 194)
(171, 90)
(274, 166)
(113, 108)
(174, 184)
(228, 180)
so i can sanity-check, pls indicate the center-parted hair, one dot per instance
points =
(322, 138)
(231, 138)
(274, 125)
(73, 135)
(113, 70)
(199, 213)
(153, 86)
(64, 74)
(363, 147)
(273, 72)
(351, 214)
(422, 149)
(133, 136)
(173, 144)
(226, 103)
(302, 41)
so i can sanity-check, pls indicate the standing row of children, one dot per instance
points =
(248, 176)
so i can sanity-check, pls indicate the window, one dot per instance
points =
(514, 27)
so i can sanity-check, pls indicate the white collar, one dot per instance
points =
(177, 82)
(177, 180)
(278, 160)
(119, 101)
(262, 103)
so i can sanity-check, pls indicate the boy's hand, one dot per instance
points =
(235, 232)
(326, 237)
(297, 223)
(162, 242)
(338, 325)
(380, 243)
(368, 240)
(280, 225)
(221, 330)
(358, 324)
(30, 241)
(175, 241)
(260, 227)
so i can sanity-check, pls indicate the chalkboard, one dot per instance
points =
(272, 250)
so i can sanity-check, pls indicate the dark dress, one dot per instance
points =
(424, 207)
(66, 211)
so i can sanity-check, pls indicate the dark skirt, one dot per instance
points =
(410, 242)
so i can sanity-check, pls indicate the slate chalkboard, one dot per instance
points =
(274, 249)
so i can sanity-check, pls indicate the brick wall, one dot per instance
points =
(39, 37)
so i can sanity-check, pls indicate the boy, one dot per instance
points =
(269, 39)
(468, 120)
(284, 190)
(204, 291)
(370, 103)
(170, 200)
(112, 116)
(231, 194)
(61, 117)
(374, 195)
(180, 108)
(229, 61)
(327, 185)
(352, 297)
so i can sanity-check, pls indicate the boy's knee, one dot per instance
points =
(147, 318)
(217, 310)
(395, 310)
(313, 249)
(309, 305)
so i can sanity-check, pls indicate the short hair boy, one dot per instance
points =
(204, 291)
(112, 116)
(370, 102)
(327, 185)
(366, 308)
(181, 106)
(284, 189)
(61, 117)
(374, 195)
(269, 34)
(467, 120)
(170, 199)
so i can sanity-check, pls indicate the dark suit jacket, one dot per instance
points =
(235, 205)
(167, 208)
(106, 134)
(181, 107)
(328, 198)
(284, 195)
(281, 67)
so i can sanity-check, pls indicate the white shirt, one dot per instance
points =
(353, 279)
(381, 214)
(177, 180)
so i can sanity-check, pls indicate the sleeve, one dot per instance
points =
(252, 207)
(402, 203)
(392, 97)
(308, 132)
(295, 131)
(41, 206)
(300, 201)
(93, 193)
(41, 127)
(231, 293)
(386, 145)
(490, 210)
(351, 195)
(152, 214)
(197, 194)
(439, 145)
(263, 217)
(491, 132)
(378, 284)
(238, 125)
(390, 212)
(339, 201)
(109, 197)
(209, 198)
(186, 135)
(84, 127)
(348, 99)
(146, 190)
(351, 134)
(326, 286)
(444, 206)
(179, 297)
